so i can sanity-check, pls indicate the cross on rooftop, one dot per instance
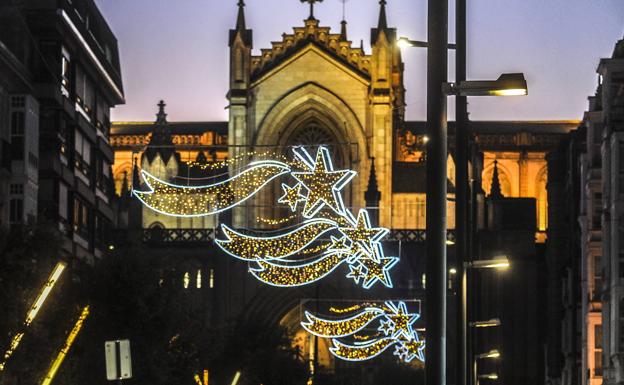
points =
(311, 6)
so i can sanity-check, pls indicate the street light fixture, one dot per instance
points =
(513, 84)
(489, 376)
(404, 42)
(491, 354)
(486, 324)
(499, 263)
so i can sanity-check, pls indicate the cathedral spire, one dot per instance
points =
(162, 138)
(495, 190)
(383, 20)
(240, 20)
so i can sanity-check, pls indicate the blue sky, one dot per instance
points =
(177, 50)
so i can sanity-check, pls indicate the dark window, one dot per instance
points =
(17, 135)
(16, 210)
(621, 326)
(598, 363)
(597, 277)
(81, 218)
(597, 214)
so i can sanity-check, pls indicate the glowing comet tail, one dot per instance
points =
(197, 201)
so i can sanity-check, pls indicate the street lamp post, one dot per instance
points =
(435, 295)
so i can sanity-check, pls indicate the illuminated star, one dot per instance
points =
(339, 245)
(292, 195)
(415, 349)
(401, 320)
(386, 327)
(323, 185)
(402, 352)
(355, 273)
(363, 236)
(378, 270)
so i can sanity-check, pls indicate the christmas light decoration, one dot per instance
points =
(251, 248)
(56, 364)
(353, 339)
(197, 201)
(299, 256)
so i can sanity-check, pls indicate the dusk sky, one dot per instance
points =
(177, 50)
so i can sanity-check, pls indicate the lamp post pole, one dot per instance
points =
(435, 296)
(461, 191)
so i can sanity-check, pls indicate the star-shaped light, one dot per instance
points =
(401, 320)
(402, 352)
(356, 273)
(378, 270)
(415, 348)
(386, 327)
(323, 185)
(363, 236)
(292, 195)
(339, 245)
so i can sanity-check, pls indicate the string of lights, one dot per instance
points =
(354, 339)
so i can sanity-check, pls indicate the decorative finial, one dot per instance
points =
(161, 117)
(311, 7)
(495, 190)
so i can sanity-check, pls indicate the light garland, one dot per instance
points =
(395, 329)
(354, 240)
(197, 201)
(251, 248)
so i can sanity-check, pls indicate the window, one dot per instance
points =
(186, 280)
(81, 218)
(103, 180)
(82, 154)
(62, 204)
(65, 71)
(16, 189)
(102, 113)
(212, 279)
(16, 211)
(102, 230)
(597, 277)
(17, 135)
(198, 282)
(597, 214)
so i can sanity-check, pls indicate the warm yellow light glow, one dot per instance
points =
(449, 242)
(425, 139)
(491, 354)
(403, 42)
(14, 344)
(486, 324)
(236, 377)
(186, 280)
(43, 295)
(211, 282)
(56, 364)
(453, 271)
(199, 279)
(206, 377)
(500, 263)
(491, 376)
(34, 310)
(197, 379)
(510, 92)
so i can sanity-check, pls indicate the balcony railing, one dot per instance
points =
(205, 236)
